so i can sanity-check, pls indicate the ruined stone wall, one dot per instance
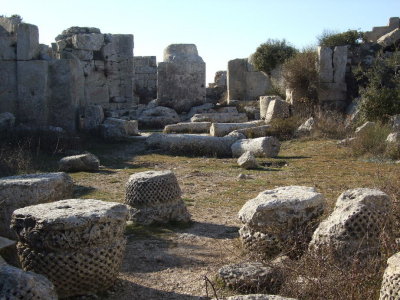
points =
(145, 87)
(244, 82)
(377, 32)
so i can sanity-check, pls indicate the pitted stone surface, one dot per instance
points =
(251, 276)
(24, 190)
(17, 284)
(355, 225)
(276, 218)
(78, 163)
(390, 289)
(260, 147)
(77, 243)
(155, 197)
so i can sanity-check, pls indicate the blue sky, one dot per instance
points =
(221, 29)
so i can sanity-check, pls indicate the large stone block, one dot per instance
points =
(27, 42)
(257, 84)
(8, 50)
(325, 64)
(9, 26)
(96, 88)
(389, 39)
(33, 92)
(67, 93)
(259, 147)
(120, 80)
(339, 64)
(277, 109)
(88, 41)
(236, 79)
(8, 86)
(181, 78)
(118, 47)
(222, 129)
(21, 191)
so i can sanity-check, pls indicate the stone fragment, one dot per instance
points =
(158, 117)
(192, 144)
(277, 109)
(264, 103)
(88, 41)
(204, 108)
(390, 288)
(68, 33)
(282, 218)
(220, 117)
(196, 127)
(79, 163)
(155, 197)
(118, 129)
(390, 39)
(260, 147)
(247, 161)
(377, 32)
(24, 190)
(259, 297)
(393, 138)
(306, 128)
(7, 48)
(354, 227)
(27, 42)
(118, 47)
(252, 277)
(363, 129)
(17, 284)
(77, 243)
(181, 78)
(94, 116)
(222, 129)
(7, 121)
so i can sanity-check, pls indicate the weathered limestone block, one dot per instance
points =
(9, 25)
(325, 64)
(7, 47)
(158, 117)
(306, 128)
(247, 161)
(88, 41)
(197, 127)
(220, 117)
(255, 132)
(280, 218)
(222, 129)
(118, 129)
(251, 277)
(220, 78)
(66, 82)
(259, 297)
(7, 121)
(79, 163)
(260, 147)
(118, 47)
(32, 92)
(77, 243)
(354, 227)
(363, 129)
(17, 284)
(181, 78)
(68, 33)
(120, 76)
(94, 116)
(190, 144)
(377, 32)
(24, 190)
(97, 90)
(277, 109)
(155, 197)
(145, 69)
(390, 288)
(339, 64)
(264, 103)
(204, 108)
(27, 42)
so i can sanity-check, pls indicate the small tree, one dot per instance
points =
(330, 38)
(271, 54)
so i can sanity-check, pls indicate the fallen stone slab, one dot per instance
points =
(79, 163)
(77, 243)
(220, 117)
(188, 127)
(260, 147)
(247, 161)
(17, 284)
(222, 129)
(306, 128)
(25, 190)
(390, 39)
(191, 144)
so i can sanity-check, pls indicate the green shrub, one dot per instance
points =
(372, 141)
(330, 38)
(271, 54)
(380, 89)
(300, 73)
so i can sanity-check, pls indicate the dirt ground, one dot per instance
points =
(173, 261)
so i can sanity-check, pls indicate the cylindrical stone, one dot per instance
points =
(77, 243)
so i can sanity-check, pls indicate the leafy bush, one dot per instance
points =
(300, 73)
(330, 38)
(271, 54)
(380, 89)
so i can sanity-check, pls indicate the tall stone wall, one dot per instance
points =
(244, 82)
(377, 32)
(107, 62)
(181, 78)
(332, 88)
(145, 87)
